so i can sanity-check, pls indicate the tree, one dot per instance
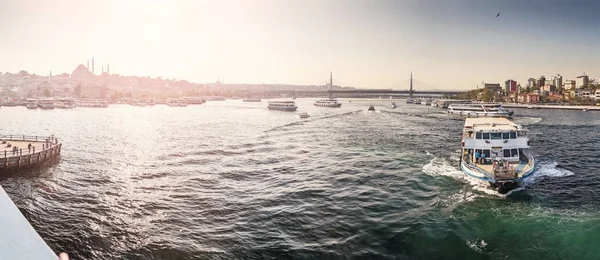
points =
(487, 95)
(47, 92)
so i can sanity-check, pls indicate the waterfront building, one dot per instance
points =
(582, 81)
(531, 98)
(570, 84)
(510, 86)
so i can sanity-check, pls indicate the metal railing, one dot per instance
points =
(477, 169)
(48, 143)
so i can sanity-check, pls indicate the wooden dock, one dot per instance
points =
(29, 151)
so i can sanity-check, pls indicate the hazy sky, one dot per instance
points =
(366, 43)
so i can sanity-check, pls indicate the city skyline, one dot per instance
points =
(448, 44)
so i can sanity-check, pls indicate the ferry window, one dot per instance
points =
(506, 152)
(486, 136)
(505, 136)
(513, 135)
(478, 135)
(478, 151)
(496, 136)
(514, 153)
(487, 153)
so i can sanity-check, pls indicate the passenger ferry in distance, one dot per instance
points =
(331, 101)
(252, 100)
(31, 103)
(46, 103)
(65, 103)
(282, 105)
(496, 151)
(479, 110)
(195, 100)
(176, 102)
(92, 103)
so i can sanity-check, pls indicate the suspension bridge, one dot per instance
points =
(397, 90)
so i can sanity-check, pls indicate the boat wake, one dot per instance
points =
(547, 168)
(442, 167)
(544, 168)
(526, 120)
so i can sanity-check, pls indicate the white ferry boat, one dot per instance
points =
(479, 110)
(194, 100)
(46, 103)
(496, 151)
(252, 100)
(92, 103)
(176, 102)
(142, 102)
(331, 101)
(31, 103)
(282, 105)
(65, 103)
(151, 102)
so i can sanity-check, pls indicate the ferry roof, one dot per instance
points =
(491, 123)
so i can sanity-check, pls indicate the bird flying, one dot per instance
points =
(497, 15)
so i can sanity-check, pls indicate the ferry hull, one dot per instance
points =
(502, 186)
(283, 108)
(328, 105)
(480, 114)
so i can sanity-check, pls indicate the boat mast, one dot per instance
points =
(411, 87)
(330, 84)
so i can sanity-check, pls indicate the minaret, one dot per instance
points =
(93, 66)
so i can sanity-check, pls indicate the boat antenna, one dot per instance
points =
(330, 84)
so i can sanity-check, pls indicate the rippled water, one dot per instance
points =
(229, 180)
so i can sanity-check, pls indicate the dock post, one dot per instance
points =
(20, 152)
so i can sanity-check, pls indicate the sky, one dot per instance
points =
(447, 44)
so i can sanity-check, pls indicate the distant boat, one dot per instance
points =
(371, 108)
(393, 105)
(585, 109)
(282, 105)
(304, 115)
(252, 100)
(331, 101)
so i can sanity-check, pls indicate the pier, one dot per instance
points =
(540, 106)
(42, 149)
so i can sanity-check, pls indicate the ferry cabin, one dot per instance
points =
(496, 140)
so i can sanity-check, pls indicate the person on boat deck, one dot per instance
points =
(482, 158)
(29, 147)
(477, 156)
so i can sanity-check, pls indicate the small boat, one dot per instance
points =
(252, 100)
(371, 108)
(304, 115)
(393, 105)
(496, 151)
(282, 105)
